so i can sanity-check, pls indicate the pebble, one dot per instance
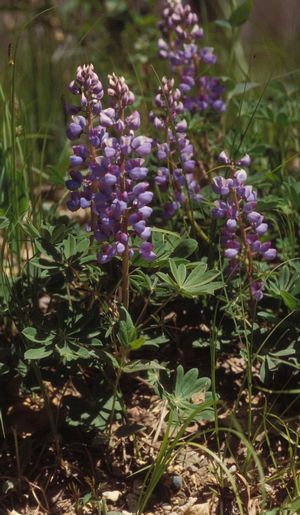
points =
(112, 496)
(198, 509)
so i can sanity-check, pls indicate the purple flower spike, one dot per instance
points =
(243, 226)
(107, 171)
(179, 45)
(178, 178)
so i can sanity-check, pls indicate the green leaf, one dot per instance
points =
(189, 383)
(142, 365)
(83, 246)
(38, 336)
(31, 230)
(198, 282)
(127, 331)
(55, 177)
(181, 274)
(167, 279)
(181, 396)
(290, 301)
(185, 248)
(196, 275)
(156, 342)
(69, 246)
(241, 14)
(223, 23)
(48, 248)
(294, 506)
(115, 7)
(43, 264)
(4, 222)
(199, 344)
(66, 353)
(4, 369)
(137, 344)
(39, 353)
(242, 88)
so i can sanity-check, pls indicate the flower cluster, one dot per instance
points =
(176, 153)
(244, 226)
(179, 45)
(108, 172)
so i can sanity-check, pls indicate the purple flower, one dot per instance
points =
(223, 158)
(142, 145)
(269, 254)
(220, 186)
(257, 290)
(207, 55)
(146, 251)
(76, 127)
(244, 161)
(133, 121)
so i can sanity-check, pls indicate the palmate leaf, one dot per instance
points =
(188, 384)
(191, 284)
(180, 395)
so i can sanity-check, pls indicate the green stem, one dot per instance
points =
(15, 182)
(18, 461)
(249, 257)
(116, 389)
(125, 278)
(213, 363)
(47, 406)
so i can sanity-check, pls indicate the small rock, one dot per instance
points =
(112, 496)
(176, 482)
(198, 509)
